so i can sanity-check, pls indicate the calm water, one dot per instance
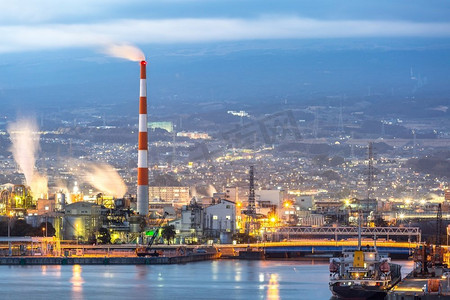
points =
(223, 279)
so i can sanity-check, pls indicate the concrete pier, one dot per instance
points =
(29, 260)
(421, 288)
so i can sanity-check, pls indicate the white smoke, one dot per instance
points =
(193, 191)
(206, 190)
(211, 190)
(125, 51)
(101, 176)
(25, 146)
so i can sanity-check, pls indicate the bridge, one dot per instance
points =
(320, 247)
(292, 233)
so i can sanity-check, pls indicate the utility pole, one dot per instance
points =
(9, 235)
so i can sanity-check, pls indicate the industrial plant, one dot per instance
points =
(234, 190)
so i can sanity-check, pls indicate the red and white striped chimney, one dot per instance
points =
(142, 188)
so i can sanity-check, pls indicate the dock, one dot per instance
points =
(33, 260)
(422, 287)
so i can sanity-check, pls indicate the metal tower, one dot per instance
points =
(315, 130)
(250, 212)
(439, 226)
(340, 128)
(370, 171)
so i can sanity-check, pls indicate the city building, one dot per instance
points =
(176, 194)
(168, 126)
(304, 202)
(194, 135)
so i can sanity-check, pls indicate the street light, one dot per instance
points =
(43, 230)
(9, 233)
(76, 233)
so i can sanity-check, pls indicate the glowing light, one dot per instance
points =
(273, 288)
(273, 219)
(77, 281)
(402, 216)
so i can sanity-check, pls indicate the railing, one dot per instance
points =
(280, 233)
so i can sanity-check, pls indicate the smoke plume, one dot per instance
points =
(101, 176)
(25, 146)
(125, 51)
(207, 190)
(105, 178)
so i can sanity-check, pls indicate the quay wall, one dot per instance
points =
(107, 260)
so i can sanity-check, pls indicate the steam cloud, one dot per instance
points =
(125, 51)
(101, 176)
(203, 190)
(25, 146)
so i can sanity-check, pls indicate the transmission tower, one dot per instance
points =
(370, 171)
(439, 226)
(316, 123)
(352, 146)
(340, 128)
(414, 143)
(250, 212)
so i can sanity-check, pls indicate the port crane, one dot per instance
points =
(145, 250)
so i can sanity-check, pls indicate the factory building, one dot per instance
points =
(45, 206)
(220, 221)
(269, 198)
(232, 194)
(81, 221)
(216, 222)
(189, 227)
(304, 202)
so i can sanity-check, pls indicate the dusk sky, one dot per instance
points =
(48, 43)
(42, 25)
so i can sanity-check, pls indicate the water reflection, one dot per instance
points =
(77, 281)
(141, 272)
(54, 271)
(273, 290)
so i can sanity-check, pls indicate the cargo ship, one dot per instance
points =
(362, 273)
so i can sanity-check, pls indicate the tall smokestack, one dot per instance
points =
(142, 188)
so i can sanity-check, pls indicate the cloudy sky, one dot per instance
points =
(52, 51)
(30, 25)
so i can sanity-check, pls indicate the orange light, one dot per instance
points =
(287, 204)
(273, 219)
(238, 204)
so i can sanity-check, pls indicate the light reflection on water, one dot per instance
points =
(272, 291)
(223, 279)
(77, 281)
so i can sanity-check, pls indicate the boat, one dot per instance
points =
(362, 273)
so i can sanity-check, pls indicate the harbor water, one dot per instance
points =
(218, 279)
